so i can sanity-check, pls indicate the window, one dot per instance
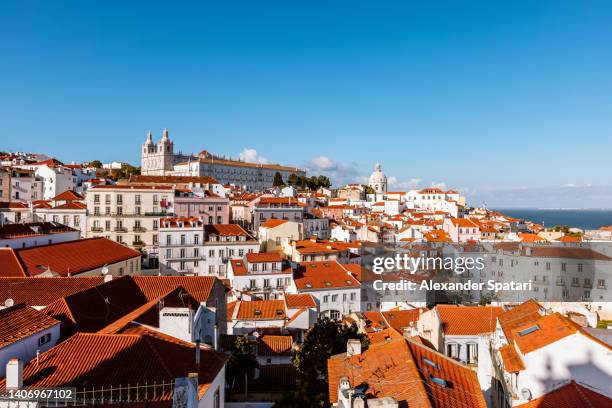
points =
(452, 350)
(196, 239)
(44, 339)
(326, 299)
(266, 283)
(211, 253)
(353, 296)
(548, 266)
(168, 253)
(529, 330)
(241, 253)
(579, 267)
(563, 267)
(472, 353)
(334, 298)
(601, 283)
(168, 239)
(77, 221)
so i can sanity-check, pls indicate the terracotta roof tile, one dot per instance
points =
(323, 275)
(68, 195)
(272, 223)
(388, 368)
(571, 395)
(74, 257)
(44, 291)
(300, 301)
(468, 320)
(226, 230)
(270, 345)
(462, 388)
(512, 361)
(261, 310)
(94, 360)
(20, 321)
(153, 287)
(255, 257)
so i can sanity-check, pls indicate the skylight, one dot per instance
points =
(529, 330)
(431, 363)
(257, 312)
(440, 381)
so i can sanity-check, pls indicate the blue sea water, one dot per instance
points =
(583, 219)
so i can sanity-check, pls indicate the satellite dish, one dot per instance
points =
(526, 393)
(104, 270)
(9, 302)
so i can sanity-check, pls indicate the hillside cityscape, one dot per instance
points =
(201, 280)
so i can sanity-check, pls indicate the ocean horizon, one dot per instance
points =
(574, 217)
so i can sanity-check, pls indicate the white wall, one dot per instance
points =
(25, 349)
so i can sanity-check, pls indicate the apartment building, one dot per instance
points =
(180, 246)
(130, 214)
(263, 275)
(333, 286)
(223, 242)
(283, 208)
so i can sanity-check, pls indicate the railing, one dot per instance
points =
(587, 285)
(121, 229)
(158, 214)
(97, 229)
(560, 282)
(138, 243)
(139, 229)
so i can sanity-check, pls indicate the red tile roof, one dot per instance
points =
(270, 345)
(528, 311)
(153, 287)
(94, 360)
(399, 319)
(550, 329)
(68, 195)
(226, 230)
(388, 368)
(323, 275)
(512, 361)
(21, 321)
(272, 223)
(463, 388)
(259, 310)
(9, 264)
(468, 320)
(254, 257)
(571, 395)
(300, 301)
(44, 291)
(74, 257)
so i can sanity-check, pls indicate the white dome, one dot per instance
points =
(378, 180)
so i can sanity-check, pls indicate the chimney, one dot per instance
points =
(14, 373)
(385, 402)
(216, 339)
(353, 347)
(108, 277)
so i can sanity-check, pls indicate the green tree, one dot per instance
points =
(278, 180)
(96, 163)
(293, 180)
(242, 361)
(323, 181)
(325, 339)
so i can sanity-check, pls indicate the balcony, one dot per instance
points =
(138, 244)
(120, 229)
(560, 282)
(158, 214)
(139, 229)
(587, 285)
(96, 229)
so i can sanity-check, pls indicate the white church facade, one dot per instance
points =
(159, 159)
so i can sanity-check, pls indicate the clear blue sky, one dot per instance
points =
(476, 95)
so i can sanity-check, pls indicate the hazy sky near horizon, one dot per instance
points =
(511, 103)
